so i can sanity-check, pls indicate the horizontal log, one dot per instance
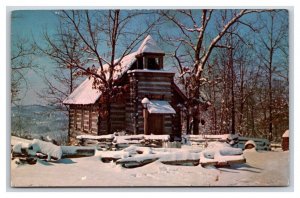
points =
(153, 79)
(155, 89)
(182, 162)
(94, 120)
(154, 83)
(136, 163)
(118, 106)
(118, 113)
(118, 117)
(118, 125)
(142, 93)
(94, 125)
(79, 152)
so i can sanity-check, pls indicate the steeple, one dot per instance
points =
(149, 55)
(149, 46)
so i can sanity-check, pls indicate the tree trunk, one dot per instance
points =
(215, 121)
(241, 115)
(196, 111)
(108, 118)
(188, 128)
(270, 95)
(70, 91)
(232, 91)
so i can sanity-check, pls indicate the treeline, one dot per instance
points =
(246, 78)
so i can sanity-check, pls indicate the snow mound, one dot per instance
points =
(227, 151)
(47, 148)
(25, 146)
(218, 153)
(252, 150)
(179, 156)
(138, 150)
(223, 148)
(17, 148)
(250, 144)
(113, 154)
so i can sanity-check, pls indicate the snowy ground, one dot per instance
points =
(261, 169)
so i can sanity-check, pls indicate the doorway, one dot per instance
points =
(156, 124)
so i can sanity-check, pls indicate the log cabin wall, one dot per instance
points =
(83, 120)
(154, 85)
(118, 116)
(178, 98)
(131, 118)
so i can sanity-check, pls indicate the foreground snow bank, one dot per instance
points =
(261, 169)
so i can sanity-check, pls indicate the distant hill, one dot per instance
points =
(37, 120)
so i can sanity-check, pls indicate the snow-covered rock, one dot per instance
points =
(47, 148)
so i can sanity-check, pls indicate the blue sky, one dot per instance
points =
(30, 24)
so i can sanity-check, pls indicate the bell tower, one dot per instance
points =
(149, 55)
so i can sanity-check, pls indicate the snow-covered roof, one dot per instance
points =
(286, 134)
(121, 68)
(149, 46)
(160, 106)
(85, 94)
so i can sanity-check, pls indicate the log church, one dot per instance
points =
(150, 106)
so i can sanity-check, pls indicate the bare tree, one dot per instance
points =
(89, 42)
(193, 27)
(272, 36)
(61, 50)
(21, 62)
